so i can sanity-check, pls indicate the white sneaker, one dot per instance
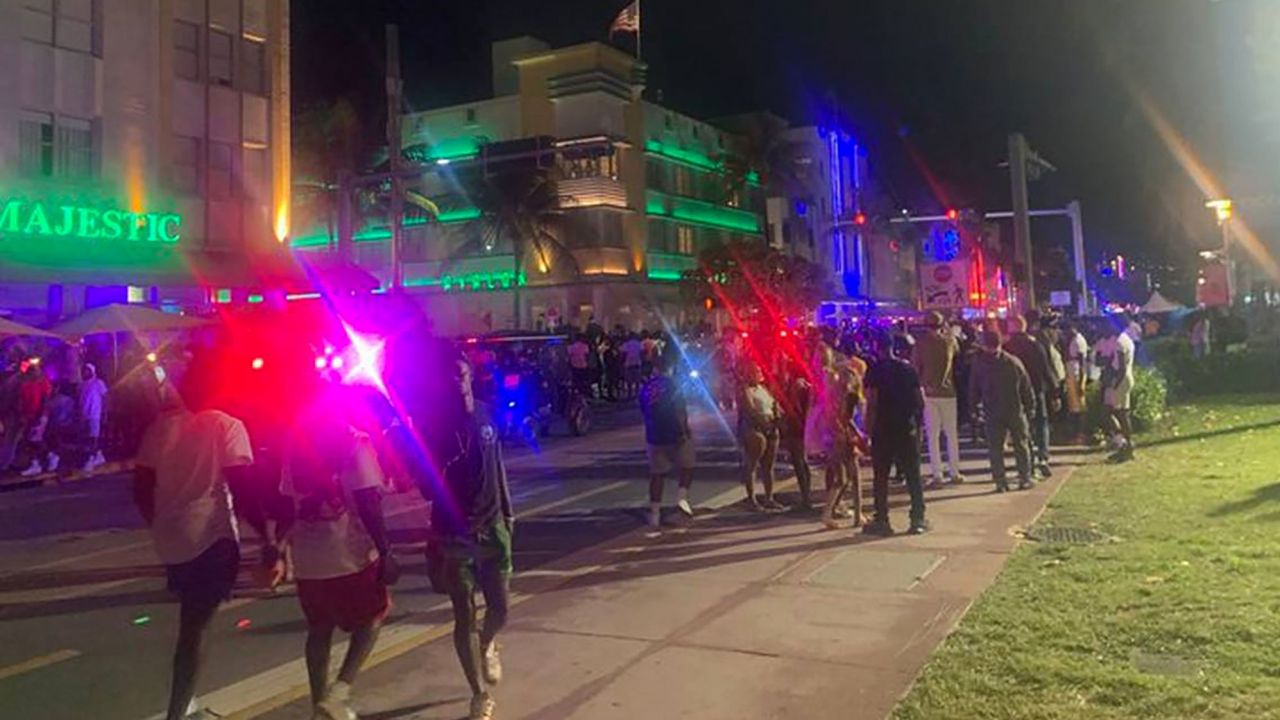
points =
(98, 459)
(34, 470)
(482, 707)
(336, 704)
(957, 479)
(492, 664)
(54, 460)
(655, 518)
(685, 507)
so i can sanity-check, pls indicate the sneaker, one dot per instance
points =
(772, 504)
(1026, 484)
(841, 512)
(934, 483)
(683, 506)
(880, 528)
(1002, 486)
(195, 712)
(1046, 471)
(54, 460)
(336, 704)
(957, 479)
(918, 528)
(34, 470)
(492, 664)
(482, 707)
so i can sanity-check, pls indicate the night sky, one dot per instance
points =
(931, 87)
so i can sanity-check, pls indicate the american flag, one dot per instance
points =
(628, 20)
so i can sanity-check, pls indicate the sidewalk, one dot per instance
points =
(735, 616)
(63, 477)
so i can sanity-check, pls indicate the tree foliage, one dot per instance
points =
(519, 209)
(751, 279)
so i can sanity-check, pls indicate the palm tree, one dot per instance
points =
(326, 143)
(520, 207)
(763, 149)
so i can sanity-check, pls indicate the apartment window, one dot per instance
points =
(684, 240)
(73, 148)
(684, 183)
(37, 20)
(49, 147)
(219, 57)
(35, 138)
(186, 165)
(186, 50)
(219, 170)
(253, 77)
(66, 23)
(253, 173)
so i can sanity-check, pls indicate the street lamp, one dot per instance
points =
(1223, 210)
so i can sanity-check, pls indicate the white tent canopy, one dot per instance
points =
(1161, 304)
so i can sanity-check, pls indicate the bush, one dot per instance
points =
(1247, 371)
(1147, 406)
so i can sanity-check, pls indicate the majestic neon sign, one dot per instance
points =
(42, 219)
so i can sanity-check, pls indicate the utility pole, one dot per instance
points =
(1018, 156)
(1084, 302)
(395, 87)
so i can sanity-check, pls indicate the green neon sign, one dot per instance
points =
(33, 218)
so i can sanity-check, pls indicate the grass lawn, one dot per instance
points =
(1178, 617)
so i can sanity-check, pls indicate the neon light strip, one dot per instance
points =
(381, 232)
(665, 275)
(302, 296)
(699, 212)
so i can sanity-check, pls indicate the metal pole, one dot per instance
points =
(1018, 153)
(346, 226)
(395, 86)
(1083, 301)
(1227, 260)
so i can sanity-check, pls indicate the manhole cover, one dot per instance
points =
(1066, 535)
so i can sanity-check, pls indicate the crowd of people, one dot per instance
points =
(48, 414)
(838, 397)
(867, 391)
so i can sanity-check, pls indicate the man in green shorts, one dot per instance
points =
(471, 522)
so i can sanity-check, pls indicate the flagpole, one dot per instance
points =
(639, 30)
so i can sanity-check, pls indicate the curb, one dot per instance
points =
(58, 478)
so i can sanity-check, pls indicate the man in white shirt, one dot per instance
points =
(186, 466)
(1117, 391)
(341, 552)
(93, 395)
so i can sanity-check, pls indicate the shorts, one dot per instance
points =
(93, 426)
(488, 551)
(208, 578)
(1119, 395)
(348, 602)
(664, 459)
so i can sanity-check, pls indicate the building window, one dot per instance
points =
(37, 20)
(605, 166)
(253, 77)
(61, 148)
(67, 24)
(186, 50)
(219, 57)
(684, 240)
(186, 165)
(73, 148)
(684, 184)
(219, 170)
(253, 173)
(35, 136)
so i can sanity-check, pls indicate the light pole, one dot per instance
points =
(1223, 210)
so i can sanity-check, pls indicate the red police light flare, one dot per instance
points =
(859, 219)
(952, 214)
(258, 363)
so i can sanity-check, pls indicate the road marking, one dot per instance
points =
(27, 666)
(77, 558)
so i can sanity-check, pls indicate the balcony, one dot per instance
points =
(661, 205)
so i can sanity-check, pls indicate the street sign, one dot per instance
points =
(944, 285)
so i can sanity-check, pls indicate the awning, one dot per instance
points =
(1160, 304)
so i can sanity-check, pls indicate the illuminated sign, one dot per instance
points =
(44, 219)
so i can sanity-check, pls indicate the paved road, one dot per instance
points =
(86, 627)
